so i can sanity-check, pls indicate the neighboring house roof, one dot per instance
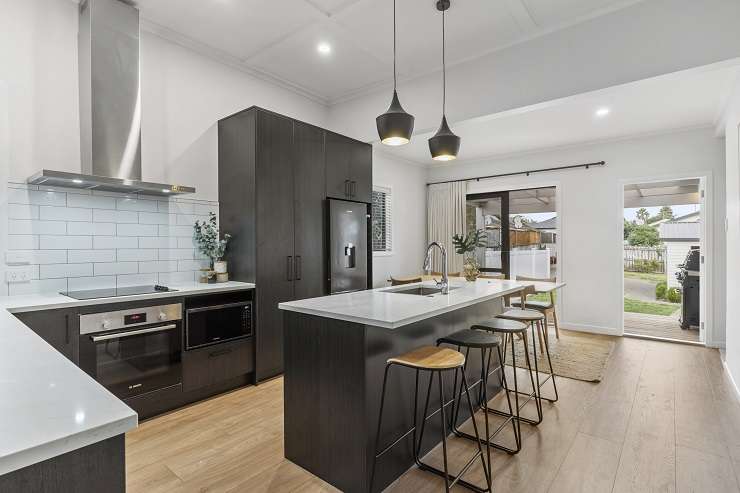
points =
(687, 218)
(551, 223)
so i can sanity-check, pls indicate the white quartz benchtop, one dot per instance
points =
(49, 406)
(384, 308)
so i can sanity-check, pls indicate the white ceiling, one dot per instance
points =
(279, 38)
(676, 101)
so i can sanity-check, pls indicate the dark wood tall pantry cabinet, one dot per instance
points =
(274, 176)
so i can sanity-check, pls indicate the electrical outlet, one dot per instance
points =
(18, 275)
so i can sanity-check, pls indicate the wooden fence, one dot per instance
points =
(644, 259)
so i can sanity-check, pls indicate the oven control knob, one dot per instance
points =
(106, 324)
(162, 316)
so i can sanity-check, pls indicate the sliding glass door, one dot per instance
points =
(490, 212)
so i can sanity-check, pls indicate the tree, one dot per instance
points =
(643, 215)
(628, 227)
(644, 235)
(666, 212)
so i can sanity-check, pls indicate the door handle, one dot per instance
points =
(222, 352)
(298, 273)
(289, 267)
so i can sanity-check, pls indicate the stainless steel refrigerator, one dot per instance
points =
(348, 246)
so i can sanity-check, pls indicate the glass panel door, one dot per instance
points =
(489, 212)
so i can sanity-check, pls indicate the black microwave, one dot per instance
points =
(213, 324)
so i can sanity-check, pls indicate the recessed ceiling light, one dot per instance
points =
(602, 112)
(323, 48)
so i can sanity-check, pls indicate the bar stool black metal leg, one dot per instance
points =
(514, 419)
(552, 373)
(537, 389)
(444, 430)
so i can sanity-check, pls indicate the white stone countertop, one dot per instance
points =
(383, 307)
(49, 406)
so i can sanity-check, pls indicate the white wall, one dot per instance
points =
(183, 95)
(407, 182)
(590, 213)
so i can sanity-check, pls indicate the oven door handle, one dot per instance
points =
(119, 335)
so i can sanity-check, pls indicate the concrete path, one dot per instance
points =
(639, 289)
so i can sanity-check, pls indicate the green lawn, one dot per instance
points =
(636, 306)
(645, 276)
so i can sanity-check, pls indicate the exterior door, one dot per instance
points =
(490, 212)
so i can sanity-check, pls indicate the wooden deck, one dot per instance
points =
(665, 327)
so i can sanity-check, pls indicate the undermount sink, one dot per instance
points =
(419, 290)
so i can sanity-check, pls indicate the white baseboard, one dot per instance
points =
(594, 329)
(732, 380)
(715, 344)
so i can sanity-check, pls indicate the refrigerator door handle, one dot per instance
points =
(289, 267)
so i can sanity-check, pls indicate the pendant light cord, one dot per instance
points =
(394, 45)
(444, 68)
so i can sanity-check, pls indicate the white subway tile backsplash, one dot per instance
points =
(128, 204)
(192, 264)
(158, 242)
(166, 278)
(108, 242)
(114, 268)
(176, 254)
(108, 216)
(23, 242)
(36, 257)
(158, 266)
(136, 279)
(64, 213)
(97, 229)
(66, 270)
(23, 211)
(36, 227)
(136, 254)
(79, 239)
(36, 197)
(157, 218)
(168, 230)
(79, 256)
(66, 242)
(96, 282)
(90, 201)
(136, 230)
(37, 286)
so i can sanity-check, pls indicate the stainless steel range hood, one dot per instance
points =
(110, 104)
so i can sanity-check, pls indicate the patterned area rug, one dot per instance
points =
(576, 355)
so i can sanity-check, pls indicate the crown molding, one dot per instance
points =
(229, 60)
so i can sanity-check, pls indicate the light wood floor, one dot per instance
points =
(665, 418)
(666, 327)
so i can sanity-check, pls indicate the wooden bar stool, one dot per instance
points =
(434, 360)
(509, 329)
(534, 318)
(487, 343)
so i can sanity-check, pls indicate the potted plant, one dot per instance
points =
(466, 245)
(206, 236)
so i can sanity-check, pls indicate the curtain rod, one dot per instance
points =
(543, 170)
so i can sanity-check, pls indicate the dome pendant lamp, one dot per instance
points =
(444, 145)
(395, 126)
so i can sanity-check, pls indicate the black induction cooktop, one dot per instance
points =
(91, 294)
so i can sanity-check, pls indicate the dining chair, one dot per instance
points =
(546, 307)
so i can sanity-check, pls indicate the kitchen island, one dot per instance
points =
(336, 348)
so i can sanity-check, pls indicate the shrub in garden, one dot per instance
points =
(673, 295)
(660, 290)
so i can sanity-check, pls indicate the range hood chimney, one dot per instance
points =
(110, 104)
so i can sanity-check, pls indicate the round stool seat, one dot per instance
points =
(525, 315)
(534, 304)
(501, 325)
(430, 358)
(471, 338)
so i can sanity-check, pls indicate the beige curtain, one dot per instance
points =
(446, 217)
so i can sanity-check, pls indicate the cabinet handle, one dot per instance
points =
(66, 329)
(297, 267)
(289, 267)
(222, 352)
(347, 189)
(353, 188)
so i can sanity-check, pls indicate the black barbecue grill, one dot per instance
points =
(688, 276)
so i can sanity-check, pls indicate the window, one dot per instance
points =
(382, 220)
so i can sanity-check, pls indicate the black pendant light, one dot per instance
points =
(395, 126)
(444, 145)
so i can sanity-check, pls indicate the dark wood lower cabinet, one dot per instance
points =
(60, 328)
(100, 467)
(211, 365)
